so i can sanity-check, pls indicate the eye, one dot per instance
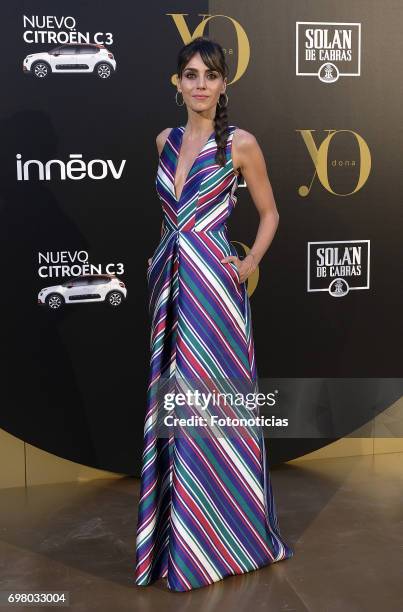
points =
(192, 74)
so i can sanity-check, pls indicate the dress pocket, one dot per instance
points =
(150, 265)
(152, 258)
(227, 251)
(234, 267)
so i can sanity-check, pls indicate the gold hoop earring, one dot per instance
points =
(226, 103)
(183, 101)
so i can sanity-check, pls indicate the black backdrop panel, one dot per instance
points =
(74, 378)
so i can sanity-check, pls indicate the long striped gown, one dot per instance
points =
(206, 507)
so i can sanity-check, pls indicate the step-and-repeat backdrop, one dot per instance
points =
(86, 88)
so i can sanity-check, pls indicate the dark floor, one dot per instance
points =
(343, 517)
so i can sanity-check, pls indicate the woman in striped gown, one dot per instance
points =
(206, 508)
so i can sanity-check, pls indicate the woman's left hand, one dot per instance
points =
(245, 266)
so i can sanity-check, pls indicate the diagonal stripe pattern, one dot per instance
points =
(206, 508)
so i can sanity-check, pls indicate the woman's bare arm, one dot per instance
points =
(247, 156)
(160, 141)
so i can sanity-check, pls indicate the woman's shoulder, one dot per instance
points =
(244, 144)
(242, 138)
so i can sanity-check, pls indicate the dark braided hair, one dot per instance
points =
(213, 56)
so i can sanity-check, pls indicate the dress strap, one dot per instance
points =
(228, 147)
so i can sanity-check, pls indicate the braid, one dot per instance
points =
(221, 131)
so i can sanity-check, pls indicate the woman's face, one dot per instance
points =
(200, 86)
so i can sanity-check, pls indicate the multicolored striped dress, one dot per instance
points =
(206, 507)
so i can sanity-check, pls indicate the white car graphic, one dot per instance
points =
(71, 57)
(87, 288)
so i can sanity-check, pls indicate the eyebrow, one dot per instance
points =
(196, 70)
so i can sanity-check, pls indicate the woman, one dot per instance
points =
(206, 508)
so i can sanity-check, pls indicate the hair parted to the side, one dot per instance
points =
(213, 56)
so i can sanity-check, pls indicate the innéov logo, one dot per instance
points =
(74, 169)
(328, 50)
(338, 266)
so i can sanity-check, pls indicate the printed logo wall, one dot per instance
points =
(86, 92)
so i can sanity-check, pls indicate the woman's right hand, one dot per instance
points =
(149, 261)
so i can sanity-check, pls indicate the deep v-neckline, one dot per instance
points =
(182, 131)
